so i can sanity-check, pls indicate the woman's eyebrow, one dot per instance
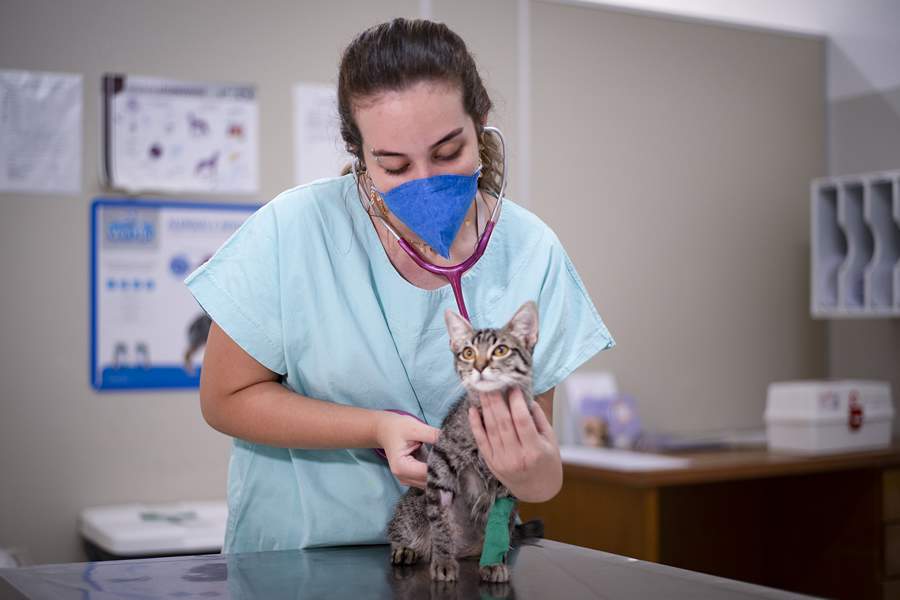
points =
(446, 138)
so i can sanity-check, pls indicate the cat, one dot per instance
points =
(446, 521)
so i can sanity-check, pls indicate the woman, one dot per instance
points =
(321, 321)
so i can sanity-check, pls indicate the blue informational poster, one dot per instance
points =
(147, 331)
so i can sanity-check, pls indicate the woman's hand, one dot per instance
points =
(518, 445)
(400, 436)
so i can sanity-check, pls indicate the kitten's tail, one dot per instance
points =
(525, 533)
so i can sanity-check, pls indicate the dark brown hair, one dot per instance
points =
(398, 54)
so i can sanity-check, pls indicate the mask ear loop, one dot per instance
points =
(495, 131)
(374, 197)
(369, 204)
(359, 172)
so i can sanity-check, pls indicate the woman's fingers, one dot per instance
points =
(498, 422)
(406, 436)
(425, 433)
(544, 427)
(409, 471)
(481, 438)
(524, 423)
(416, 471)
(490, 423)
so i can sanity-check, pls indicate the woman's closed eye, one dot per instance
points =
(396, 171)
(451, 156)
(440, 157)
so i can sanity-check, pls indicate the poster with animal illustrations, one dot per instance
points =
(177, 136)
(147, 331)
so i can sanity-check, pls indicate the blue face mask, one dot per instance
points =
(434, 207)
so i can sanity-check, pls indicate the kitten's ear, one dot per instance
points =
(459, 329)
(524, 324)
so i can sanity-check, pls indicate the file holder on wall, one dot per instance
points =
(855, 235)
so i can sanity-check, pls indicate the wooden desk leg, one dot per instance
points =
(612, 518)
(650, 500)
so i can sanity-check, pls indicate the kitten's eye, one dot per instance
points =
(501, 351)
(468, 353)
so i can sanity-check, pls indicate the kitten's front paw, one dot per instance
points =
(401, 555)
(444, 569)
(494, 573)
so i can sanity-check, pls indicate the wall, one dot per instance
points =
(865, 136)
(677, 175)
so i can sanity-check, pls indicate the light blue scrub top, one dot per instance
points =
(305, 288)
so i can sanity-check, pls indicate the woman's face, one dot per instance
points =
(415, 133)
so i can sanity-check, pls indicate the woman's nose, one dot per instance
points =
(424, 171)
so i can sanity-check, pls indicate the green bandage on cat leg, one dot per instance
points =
(496, 532)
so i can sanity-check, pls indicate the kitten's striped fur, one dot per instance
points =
(446, 521)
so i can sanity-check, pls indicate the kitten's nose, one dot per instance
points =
(480, 364)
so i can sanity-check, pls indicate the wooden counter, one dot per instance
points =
(827, 525)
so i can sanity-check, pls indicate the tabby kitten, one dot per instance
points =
(446, 521)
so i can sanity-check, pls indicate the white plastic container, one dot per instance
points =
(818, 417)
(133, 530)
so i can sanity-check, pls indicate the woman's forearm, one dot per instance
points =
(268, 413)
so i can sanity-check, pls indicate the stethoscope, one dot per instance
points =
(452, 273)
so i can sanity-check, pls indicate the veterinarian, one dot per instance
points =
(322, 318)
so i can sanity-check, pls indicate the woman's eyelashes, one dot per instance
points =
(438, 157)
(399, 171)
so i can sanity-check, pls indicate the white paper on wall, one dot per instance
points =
(179, 136)
(40, 132)
(318, 148)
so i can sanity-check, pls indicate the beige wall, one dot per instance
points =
(672, 159)
(864, 136)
